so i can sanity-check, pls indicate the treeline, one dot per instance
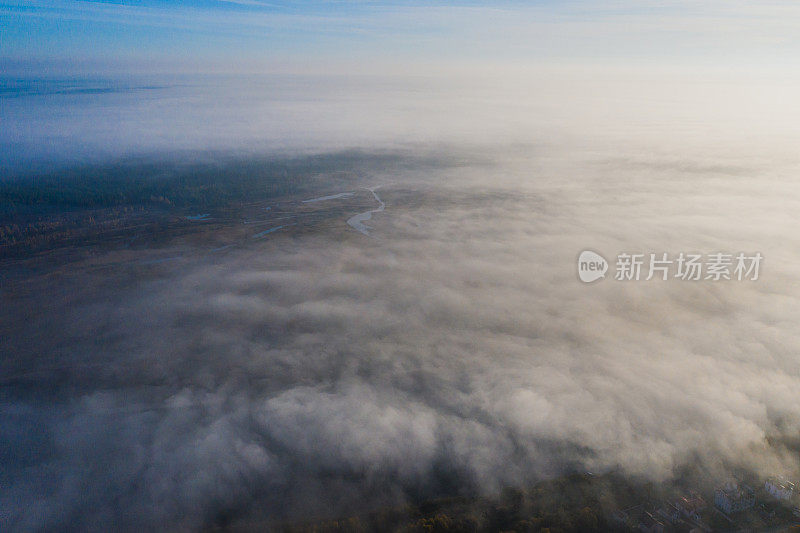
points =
(93, 188)
(76, 206)
(18, 238)
(182, 184)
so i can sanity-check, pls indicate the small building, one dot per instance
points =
(650, 524)
(670, 513)
(690, 506)
(733, 498)
(779, 488)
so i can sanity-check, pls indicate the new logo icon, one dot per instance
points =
(591, 266)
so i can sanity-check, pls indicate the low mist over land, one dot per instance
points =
(315, 371)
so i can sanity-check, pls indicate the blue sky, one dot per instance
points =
(243, 33)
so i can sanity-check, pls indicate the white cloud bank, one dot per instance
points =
(454, 350)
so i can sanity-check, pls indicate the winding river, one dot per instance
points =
(357, 221)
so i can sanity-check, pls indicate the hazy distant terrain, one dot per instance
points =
(123, 201)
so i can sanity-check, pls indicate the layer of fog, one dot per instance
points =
(310, 374)
(50, 121)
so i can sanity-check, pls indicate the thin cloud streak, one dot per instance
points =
(679, 32)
